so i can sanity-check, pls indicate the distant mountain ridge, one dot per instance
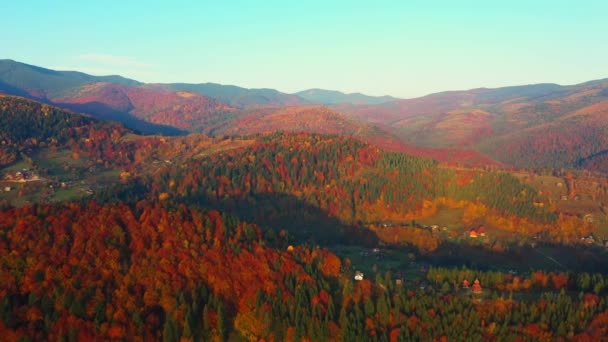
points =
(112, 98)
(46, 83)
(332, 97)
(149, 108)
(234, 95)
(537, 125)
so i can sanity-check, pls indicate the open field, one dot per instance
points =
(59, 177)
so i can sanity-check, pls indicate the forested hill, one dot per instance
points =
(27, 125)
(24, 79)
(207, 244)
(318, 185)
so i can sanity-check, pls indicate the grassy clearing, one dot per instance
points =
(451, 218)
(59, 164)
(397, 261)
(18, 166)
(552, 187)
(63, 179)
(225, 145)
(130, 137)
(64, 195)
(581, 206)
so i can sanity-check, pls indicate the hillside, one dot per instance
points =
(437, 103)
(323, 120)
(330, 97)
(543, 125)
(289, 176)
(182, 110)
(27, 126)
(310, 119)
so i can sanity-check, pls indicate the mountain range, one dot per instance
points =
(259, 215)
(542, 125)
(333, 97)
(539, 125)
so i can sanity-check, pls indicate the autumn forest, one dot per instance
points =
(176, 212)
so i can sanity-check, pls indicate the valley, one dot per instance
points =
(163, 212)
(304, 171)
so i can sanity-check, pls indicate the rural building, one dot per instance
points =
(588, 240)
(476, 288)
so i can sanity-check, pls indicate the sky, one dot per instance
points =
(403, 48)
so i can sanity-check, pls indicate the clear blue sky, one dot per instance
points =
(403, 48)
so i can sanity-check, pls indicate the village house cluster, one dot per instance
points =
(24, 175)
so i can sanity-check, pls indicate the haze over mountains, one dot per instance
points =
(541, 125)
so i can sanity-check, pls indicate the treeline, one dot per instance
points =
(582, 282)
